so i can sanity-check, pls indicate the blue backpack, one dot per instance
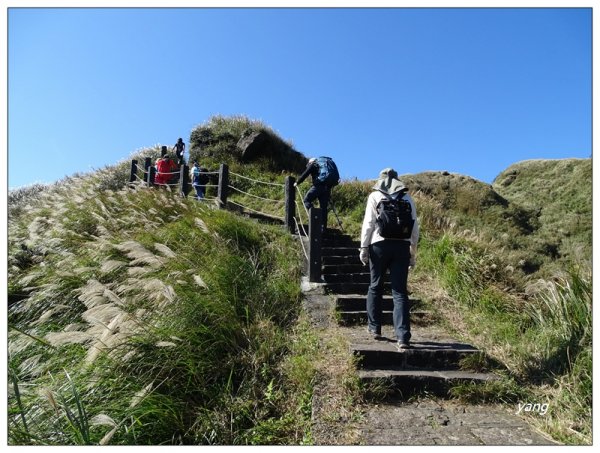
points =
(328, 172)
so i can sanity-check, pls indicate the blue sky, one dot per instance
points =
(465, 90)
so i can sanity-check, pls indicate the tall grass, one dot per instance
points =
(545, 342)
(159, 320)
(563, 322)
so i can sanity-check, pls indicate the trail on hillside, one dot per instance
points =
(406, 393)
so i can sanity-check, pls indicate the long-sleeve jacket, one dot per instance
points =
(370, 234)
(311, 169)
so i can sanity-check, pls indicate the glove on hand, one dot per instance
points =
(364, 255)
(411, 263)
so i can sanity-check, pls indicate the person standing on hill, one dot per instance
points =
(199, 180)
(179, 149)
(389, 236)
(325, 176)
(165, 170)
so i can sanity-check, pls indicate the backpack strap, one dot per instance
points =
(399, 195)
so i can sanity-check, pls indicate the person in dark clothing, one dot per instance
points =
(319, 190)
(199, 180)
(179, 149)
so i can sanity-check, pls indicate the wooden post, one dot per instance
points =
(290, 206)
(223, 185)
(151, 175)
(147, 164)
(184, 173)
(315, 224)
(134, 168)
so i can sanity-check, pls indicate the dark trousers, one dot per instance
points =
(322, 193)
(200, 190)
(395, 256)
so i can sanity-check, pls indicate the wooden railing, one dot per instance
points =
(291, 218)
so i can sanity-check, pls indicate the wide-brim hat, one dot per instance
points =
(388, 181)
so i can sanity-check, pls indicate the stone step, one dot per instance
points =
(345, 268)
(334, 260)
(352, 288)
(340, 241)
(349, 318)
(363, 277)
(408, 382)
(340, 251)
(358, 302)
(422, 355)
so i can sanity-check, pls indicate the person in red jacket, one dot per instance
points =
(165, 167)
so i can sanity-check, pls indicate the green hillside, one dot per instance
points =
(559, 193)
(510, 271)
(138, 317)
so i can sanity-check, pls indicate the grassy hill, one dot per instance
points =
(508, 267)
(140, 317)
(559, 194)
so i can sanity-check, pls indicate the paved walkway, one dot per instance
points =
(443, 422)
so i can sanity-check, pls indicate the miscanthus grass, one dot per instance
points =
(136, 317)
(542, 336)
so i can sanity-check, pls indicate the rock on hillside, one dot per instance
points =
(241, 139)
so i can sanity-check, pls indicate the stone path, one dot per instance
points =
(404, 416)
(442, 422)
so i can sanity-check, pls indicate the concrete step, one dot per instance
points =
(344, 268)
(340, 241)
(422, 355)
(358, 302)
(349, 318)
(363, 277)
(352, 288)
(333, 260)
(339, 251)
(409, 382)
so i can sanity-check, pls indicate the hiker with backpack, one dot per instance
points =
(199, 180)
(389, 236)
(325, 176)
(179, 149)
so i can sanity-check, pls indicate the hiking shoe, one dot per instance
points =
(402, 345)
(374, 335)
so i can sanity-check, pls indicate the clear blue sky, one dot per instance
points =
(470, 91)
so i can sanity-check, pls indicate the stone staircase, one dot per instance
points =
(436, 361)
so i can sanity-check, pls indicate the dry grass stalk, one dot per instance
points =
(101, 314)
(139, 396)
(111, 265)
(201, 225)
(198, 280)
(165, 251)
(69, 337)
